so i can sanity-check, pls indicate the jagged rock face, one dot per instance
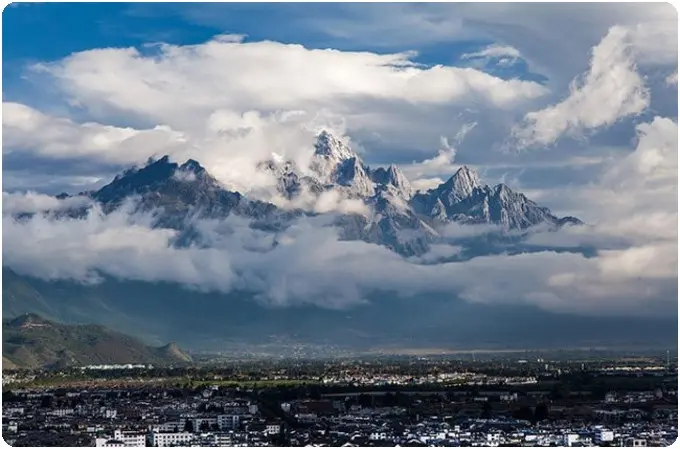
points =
(289, 182)
(392, 178)
(183, 193)
(460, 185)
(163, 181)
(336, 164)
(329, 153)
(332, 148)
(500, 205)
(463, 198)
(353, 177)
(403, 222)
(443, 200)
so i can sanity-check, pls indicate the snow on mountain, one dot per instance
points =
(384, 210)
(353, 177)
(332, 148)
(463, 198)
(329, 153)
(180, 194)
(392, 177)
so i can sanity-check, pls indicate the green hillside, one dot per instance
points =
(30, 341)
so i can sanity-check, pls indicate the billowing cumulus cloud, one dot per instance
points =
(177, 85)
(26, 129)
(612, 89)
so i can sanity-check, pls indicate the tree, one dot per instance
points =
(188, 426)
(560, 391)
(365, 400)
(541, 412)
(486, 410)
(524, 413)
(46, 402)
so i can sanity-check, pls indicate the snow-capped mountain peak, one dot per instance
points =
(399, 180)
(393, 178)
(330, 147)
(351, 174)
(462, 183)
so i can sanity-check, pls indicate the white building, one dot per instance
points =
(132, 439)
(62, 412)
(568, 439)
(161, 439)
(170, 426)
(493, 438)
(603, 435)
(272, 429)
(377, 436)
(508, 397)
(222, 439)
(12, 411)
(129, 439)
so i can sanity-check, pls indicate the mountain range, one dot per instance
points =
(385, 210)
(393, 214)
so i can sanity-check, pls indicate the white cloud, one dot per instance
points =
(184, 84)
(423, 184)
(632, 210)
(494, 51)
(653, 164)
(610, 90)
(332, 201)
(656, 41)
(26, 129)
(672, 79)
(422, 173)
(312, 265)
(31, 202)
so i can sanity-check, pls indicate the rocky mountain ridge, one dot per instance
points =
(399, 218)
